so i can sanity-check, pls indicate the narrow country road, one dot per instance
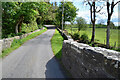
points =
(34, 59)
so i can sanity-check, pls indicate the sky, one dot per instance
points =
(85, 12)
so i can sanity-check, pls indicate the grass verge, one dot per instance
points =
(56, 43)
(18, 42)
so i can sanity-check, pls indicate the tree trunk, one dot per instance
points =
(110, 12)
(108, 22)
(108, 34)
(60, 25)
(18, 25)
(93, 22)
(16, 28)
(93, 33)
(63, 25)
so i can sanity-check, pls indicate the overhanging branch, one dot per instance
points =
(116, 3)
(99, 9)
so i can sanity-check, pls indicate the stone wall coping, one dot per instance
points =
(109, 54)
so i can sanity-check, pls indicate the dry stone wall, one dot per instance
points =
(1, 46)
(6, 43)
(84, 61)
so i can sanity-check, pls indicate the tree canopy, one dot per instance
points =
(69, 12)
(81, 23)
(21, 17)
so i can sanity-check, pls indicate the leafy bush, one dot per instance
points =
(29, 27)
(4, 36)
(11, 35)
(92, 43)
(23, 32)
(118, 49)
(18, 34)
(40, 26)
(75, 36)
(84, 38)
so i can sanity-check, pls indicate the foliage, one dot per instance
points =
(24, 17)
(18, 42)
(76, 36)
(69, 12)
(84, 38)
(40, 26)
(92, 44)
(81, 23)
(11, 35)
(100, 35)
(57, 42)
(8, 21)
(118, 27)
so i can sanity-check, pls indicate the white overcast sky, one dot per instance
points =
(85, 12)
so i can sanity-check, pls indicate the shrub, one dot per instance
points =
(93, 44)
(23, 32)
(118, 49)
(11, 35)
(29, 27)
(75, 36)
(84, 38)
(18, 34)
(40, 26)
(4, 36)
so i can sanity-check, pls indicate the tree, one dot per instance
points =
(15, 13)
(110, 8)
(18, 14)
(72, 23)
(81, 23)
(43, 12)
(9, 10)
(93, 11)
(26, 11)
(69, 12)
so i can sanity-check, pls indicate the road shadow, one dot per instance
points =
(55, 70)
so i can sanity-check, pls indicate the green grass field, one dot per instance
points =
(100, 35)
(56, 43)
